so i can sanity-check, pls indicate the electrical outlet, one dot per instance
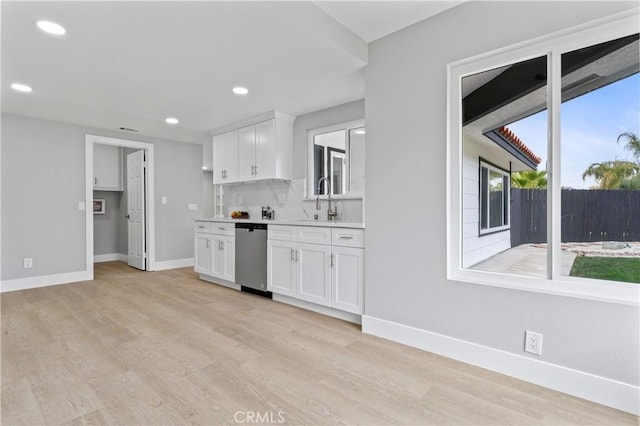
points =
(240, 199)
(28, 262)
(282, 198)
(533, 342)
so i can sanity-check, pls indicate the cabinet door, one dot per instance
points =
(347, 292)
(217, 256)
(246, 153)
(202, 254)
(228, 258)
(281, 273)
(231, 156)
(219, 158)
(107, 167)
(313, 262)
(265, 150)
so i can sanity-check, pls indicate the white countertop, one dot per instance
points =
(299, 222)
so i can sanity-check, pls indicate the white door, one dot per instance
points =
(136, 209)
(314, 273)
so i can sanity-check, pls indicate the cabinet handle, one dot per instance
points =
(297, 255)
(293, 257)
(333, 263)
(95, 181)
(221, 228)
(255, 168)
(207, 243)
(201, 226)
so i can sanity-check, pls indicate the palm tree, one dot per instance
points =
(611, 174)
(633, 144)
(529, 179)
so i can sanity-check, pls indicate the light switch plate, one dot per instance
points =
(282, 198)
(192, 207)
(163, 200)
(81, 206)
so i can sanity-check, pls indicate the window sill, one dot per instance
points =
(581, 288)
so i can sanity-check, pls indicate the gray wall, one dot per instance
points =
(43, 181)
(317, 119)
(406, 85)
(106, 227)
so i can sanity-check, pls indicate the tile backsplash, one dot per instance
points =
(287, 200)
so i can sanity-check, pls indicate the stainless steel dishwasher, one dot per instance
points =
(251, 257)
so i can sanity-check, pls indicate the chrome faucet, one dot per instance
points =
(331, 213)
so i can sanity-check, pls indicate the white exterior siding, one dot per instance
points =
(476, 248)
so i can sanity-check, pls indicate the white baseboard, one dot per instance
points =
(325, 310)
(111, 257)
(171, 264)
(612, 393)
(44, 281)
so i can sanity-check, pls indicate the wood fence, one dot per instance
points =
(587, 215)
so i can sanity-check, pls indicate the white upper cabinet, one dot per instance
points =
(263, 150)
(107, 167)
(225, 157)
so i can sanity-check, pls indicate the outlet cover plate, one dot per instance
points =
(533, 342)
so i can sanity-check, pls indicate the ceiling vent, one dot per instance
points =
(129, 129)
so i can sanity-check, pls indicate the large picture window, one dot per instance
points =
(548, 197)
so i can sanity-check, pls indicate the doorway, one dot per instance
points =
(143, 162)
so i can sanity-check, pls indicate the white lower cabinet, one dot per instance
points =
(314, 273)
(223, 264)
(347, 290)
(282, 267)
(215, 250)
(202, 254)
(320, 272)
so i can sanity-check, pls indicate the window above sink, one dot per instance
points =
(337, 152)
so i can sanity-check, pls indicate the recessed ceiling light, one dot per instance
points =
(171, 120)
(240, 90)
(204, 167)
(51, 27)
(21, 87)
(360, 132)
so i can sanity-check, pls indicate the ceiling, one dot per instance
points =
(133, 64)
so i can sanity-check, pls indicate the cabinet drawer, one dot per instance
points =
(281, 232)
(223, 228)
(347, 237)
(313, 234)
(203, 227)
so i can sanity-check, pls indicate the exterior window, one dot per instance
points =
(562, 219)
(494, 193)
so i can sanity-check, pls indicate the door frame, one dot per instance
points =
(149, 195)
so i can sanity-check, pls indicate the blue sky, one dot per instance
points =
(590, 125)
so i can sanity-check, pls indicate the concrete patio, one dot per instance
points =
(531, 259)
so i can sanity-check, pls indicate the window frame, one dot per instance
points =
(552, 46)
(346, 126)
(506, 199)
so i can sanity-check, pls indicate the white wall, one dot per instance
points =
(406, 83)
(43, 181)
(476, 247)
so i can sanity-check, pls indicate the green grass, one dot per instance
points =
(625, 269)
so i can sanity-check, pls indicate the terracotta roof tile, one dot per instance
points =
(518, 144)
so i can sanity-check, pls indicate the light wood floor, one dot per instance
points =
(166, 348)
